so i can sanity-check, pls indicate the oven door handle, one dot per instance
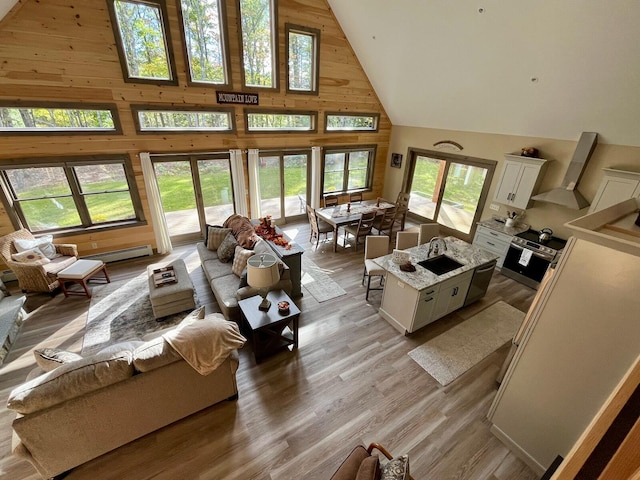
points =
(544, 256)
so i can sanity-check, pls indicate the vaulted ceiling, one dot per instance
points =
(538, 68)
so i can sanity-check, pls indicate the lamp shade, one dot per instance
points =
(262, 270)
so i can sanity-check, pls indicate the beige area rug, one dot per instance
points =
(451, 354)
(318, 283)
(122, 311)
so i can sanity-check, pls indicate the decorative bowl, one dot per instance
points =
(283, 307)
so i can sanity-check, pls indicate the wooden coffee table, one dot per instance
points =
(270, 331)
(81, 272)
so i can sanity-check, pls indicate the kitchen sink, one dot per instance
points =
(440, 265)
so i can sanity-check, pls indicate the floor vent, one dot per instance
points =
(126, 254)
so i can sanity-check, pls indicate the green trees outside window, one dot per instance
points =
(259, 44)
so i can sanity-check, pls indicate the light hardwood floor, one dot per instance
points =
(299, 414)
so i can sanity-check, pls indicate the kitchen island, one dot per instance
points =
(412, 300)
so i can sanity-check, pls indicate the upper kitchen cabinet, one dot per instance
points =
(616, 186)
(519, 180)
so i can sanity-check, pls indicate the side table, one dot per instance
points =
(271, 330)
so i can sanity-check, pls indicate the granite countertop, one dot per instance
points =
(459, 250)
(497, 224)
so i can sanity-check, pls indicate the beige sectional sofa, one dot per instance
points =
(87, 407)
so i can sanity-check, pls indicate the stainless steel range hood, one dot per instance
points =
(567, 195)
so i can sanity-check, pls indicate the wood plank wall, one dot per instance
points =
(64, 50)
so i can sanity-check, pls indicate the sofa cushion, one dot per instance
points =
(242, 229)
(70, 380)
(154, 354)
(227, 248)
(50, 358)
(216, 269)
(128, 346)
(396, 469)
(225, 289)
(369, 469)
(215, 236)
(240, 260)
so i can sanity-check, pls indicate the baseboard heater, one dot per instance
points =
(125, 254)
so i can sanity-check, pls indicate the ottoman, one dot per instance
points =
(171, 298)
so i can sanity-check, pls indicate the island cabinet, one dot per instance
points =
(406, 308)
(616, 186)
(451, 294)
(519, 181)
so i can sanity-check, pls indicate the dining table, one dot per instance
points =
(348, 213)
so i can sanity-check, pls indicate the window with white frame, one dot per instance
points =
(259, 34)
(303, 59)
(348, 169)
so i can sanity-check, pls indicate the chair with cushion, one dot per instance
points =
(406, 240)
(330, 200)
(36, 261)
(317, 226)
(427, 232)
(360, 229)
(362, 464)
(385, 221)
(374, 246)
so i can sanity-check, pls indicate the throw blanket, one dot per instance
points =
(242, 229)
(205, 344)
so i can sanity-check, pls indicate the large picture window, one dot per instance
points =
(348, 169)
(262, 121)
(258, 23)
(303, 59)
(205, 40)
(143, 41)
(72, 194)
(149, 118)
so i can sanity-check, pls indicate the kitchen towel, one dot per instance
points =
(525, 257)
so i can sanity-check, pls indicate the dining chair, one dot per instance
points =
(385, 221)
(355, 197)
(402, 208)
(359, 230)
(330, 200)
(317, 226)
(374, 246)
(427, 232)
(406, 240)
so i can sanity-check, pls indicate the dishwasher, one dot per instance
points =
(480, 282)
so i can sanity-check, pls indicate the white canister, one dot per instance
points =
(509, 222)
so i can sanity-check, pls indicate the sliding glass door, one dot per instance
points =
(448, 189)
(284, 178)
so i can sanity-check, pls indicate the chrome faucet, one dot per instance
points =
(434, 246)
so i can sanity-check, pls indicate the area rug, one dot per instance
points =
(451, 354)
(122, 311)
(318, 283)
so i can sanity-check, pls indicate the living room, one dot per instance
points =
(67, 55)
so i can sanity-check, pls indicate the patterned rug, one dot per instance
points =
(318, 283)
(122, 311)
(451, 354)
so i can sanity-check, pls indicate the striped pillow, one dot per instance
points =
(215, 236)
(240, 260)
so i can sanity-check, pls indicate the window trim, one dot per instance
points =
(226, 57)
(67, 163)
(111, 107)
(376, 118)
(312, 113)
(315, 34)
(275, 35)
(136, 108)
(161, 4)
(372, 148)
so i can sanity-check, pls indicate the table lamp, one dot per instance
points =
(262, 273)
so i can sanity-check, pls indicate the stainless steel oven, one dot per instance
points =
(528, 258)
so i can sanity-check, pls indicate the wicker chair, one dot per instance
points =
(35, 277)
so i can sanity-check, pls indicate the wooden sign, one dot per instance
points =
(237, 97)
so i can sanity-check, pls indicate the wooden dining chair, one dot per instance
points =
(374, 246)
(317, 226)
(330, 200)
(359, 230)
(386, 221)
(406, 240)
(355, 197)
(402, 208)
(427, 232)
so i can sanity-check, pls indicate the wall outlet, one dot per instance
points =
(94, 245)
(494, 207)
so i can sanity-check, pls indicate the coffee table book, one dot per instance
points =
(163, 276)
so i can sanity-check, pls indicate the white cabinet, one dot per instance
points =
(452, 294)
(519, 180)
(424, 308)
(493, 242)
(406, 308)
(616, 186)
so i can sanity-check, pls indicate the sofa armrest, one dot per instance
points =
(67, 249)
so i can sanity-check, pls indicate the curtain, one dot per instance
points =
(254, 182)
(239, 190)
(160, 229)
(316, 176)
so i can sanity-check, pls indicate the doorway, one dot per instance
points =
(284, 178)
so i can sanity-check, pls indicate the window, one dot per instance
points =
(258, 23)
(205, 41)
(45, 118)
(55, 194)
(449, 189)
(348, 169)
(303, 59)
(346, 122)
(143, 41)
(182, 119)
(280, 121)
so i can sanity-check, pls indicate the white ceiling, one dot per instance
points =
(539, 68)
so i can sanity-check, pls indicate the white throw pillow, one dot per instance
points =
(31, 256)
(43, 243)
(240, 260)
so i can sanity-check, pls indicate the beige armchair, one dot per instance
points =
(35, 277)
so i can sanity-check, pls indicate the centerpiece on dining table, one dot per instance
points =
(268, 232)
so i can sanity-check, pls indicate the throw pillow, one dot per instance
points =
(396, 469)
(50, 358)
(154, 354)
(240, 260)
(215, 236)
(31, 256)
(227, 248)
(43, 243)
